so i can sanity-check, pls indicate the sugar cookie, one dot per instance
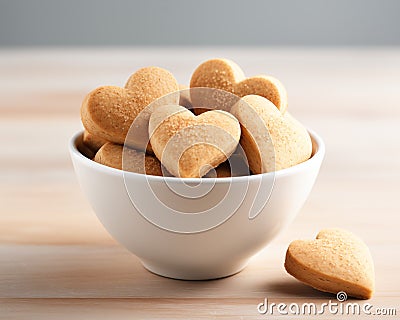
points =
(189, 146)
(336, 261)
(111, 154)
(108, 112)
(226, 75)
(271, 140)
(92, 142)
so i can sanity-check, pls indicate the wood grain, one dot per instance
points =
(58, 262)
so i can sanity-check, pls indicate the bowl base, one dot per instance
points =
(185, 274)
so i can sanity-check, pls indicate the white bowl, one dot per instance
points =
(210, 232)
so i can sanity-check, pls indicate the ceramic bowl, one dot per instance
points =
(195, 229)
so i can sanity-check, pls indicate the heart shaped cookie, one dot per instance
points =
(271, 140)
(92, 142)
(226, 75)
(188, 145)
(108, 112)
(336, 261)
(111, 154)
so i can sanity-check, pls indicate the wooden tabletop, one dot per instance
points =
(58, 262)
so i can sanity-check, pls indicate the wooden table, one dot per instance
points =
(58, 262)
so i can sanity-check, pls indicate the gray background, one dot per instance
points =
(204, 22)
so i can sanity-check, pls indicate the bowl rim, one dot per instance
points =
(316, 157)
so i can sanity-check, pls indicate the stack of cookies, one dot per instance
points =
(152, 126)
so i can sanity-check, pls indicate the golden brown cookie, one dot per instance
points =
(92, 142)
(189, 146)
(108, 112)
(111, 154)
(271, 140)
(336, 261)
(223, 170)
(226, 75)
(86, 151)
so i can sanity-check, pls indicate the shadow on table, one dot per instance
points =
(295, 289)
(111, 272)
